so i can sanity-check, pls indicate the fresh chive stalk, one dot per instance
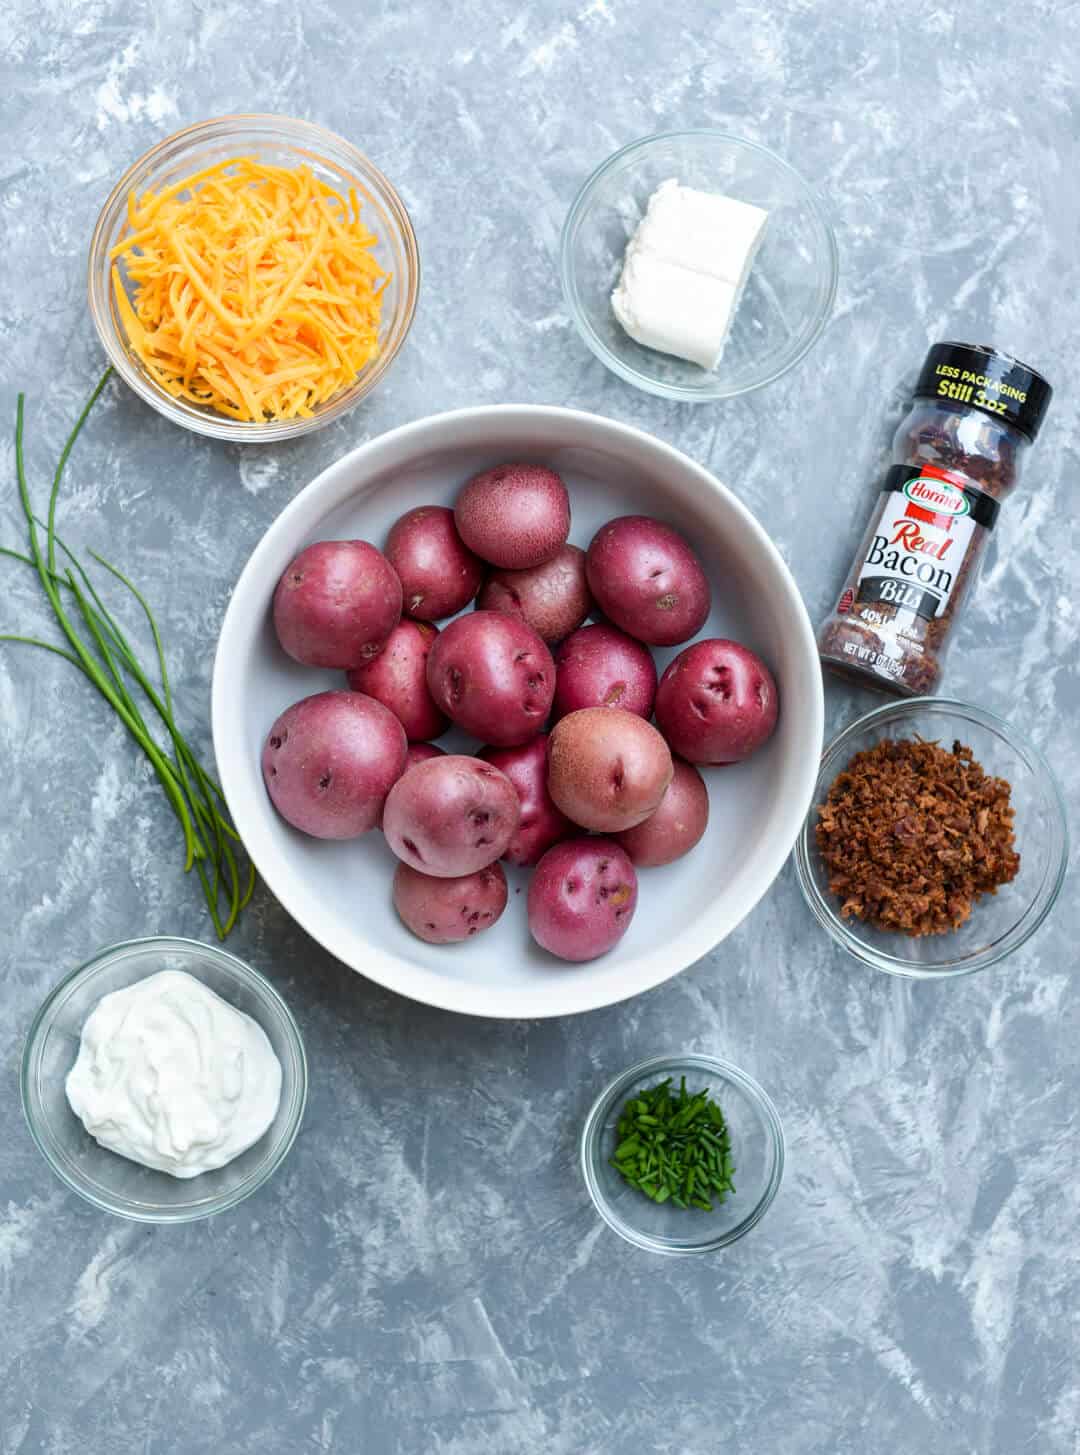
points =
(98, 646)
(675, 1146)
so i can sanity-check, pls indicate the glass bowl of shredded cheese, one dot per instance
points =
(253, 277)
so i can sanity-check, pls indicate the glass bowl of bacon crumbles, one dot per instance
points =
(937, 841)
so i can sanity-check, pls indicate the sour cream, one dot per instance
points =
(172, 1076)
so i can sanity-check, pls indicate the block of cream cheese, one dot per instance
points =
(673, 309)
(684, 271)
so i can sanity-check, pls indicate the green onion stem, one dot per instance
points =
(205, 808)
(45, 647)
(164, 710)
(107, 659)
(64, 454)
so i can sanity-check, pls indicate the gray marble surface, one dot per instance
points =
(426, 1274)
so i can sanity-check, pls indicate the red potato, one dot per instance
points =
(439, 574)
(607, 769)
(330, 760)
(541, 823)
(717, 702)
(493, 676)
(336, 604)
(397, 678)
(451, 815)
(599, 666)
(553, 598)
(420, 753)
(647, 580)
(447, 911)
(582, 898)
(514, 516)
(416, 753)
(676, 826)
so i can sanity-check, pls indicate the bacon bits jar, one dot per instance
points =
(956, 456)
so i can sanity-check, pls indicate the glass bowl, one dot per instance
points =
(757, 1149)
(282, 141)
(999, 923)
(116, 1184)
(791, 287)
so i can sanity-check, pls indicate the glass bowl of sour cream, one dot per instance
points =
(175, 1054)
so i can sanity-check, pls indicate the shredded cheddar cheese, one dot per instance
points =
(255, 292)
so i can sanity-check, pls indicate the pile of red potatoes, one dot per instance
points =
(575, 778)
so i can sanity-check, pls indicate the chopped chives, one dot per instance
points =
(675, 1146)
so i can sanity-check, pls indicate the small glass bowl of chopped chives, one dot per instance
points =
(682, 1154)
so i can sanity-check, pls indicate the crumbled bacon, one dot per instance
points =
(912, 835)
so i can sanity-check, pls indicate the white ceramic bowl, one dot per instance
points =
(340, 892)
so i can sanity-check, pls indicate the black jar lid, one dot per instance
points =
(981, 378)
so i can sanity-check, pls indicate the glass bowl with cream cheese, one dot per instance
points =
(697, 265)
(164, 1080)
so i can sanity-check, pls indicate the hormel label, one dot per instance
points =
(918, 547)
(937, 495)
